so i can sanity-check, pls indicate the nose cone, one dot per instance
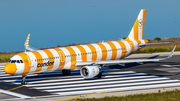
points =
(10, 68)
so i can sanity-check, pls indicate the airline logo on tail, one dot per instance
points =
(137, 30)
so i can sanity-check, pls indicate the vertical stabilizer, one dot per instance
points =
(138, 28)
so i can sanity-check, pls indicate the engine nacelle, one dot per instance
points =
(89, 71)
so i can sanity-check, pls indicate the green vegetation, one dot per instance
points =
(152, 49)
(166, 96)
(123, 37)
(157, 39)
(5, 56)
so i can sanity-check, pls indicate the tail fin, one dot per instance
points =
(138, 28)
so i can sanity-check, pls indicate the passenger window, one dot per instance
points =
(17, 61)
(21, 61)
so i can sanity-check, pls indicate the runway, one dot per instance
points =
(133, 76)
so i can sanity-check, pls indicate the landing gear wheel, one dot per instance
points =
(99, 75)
(23, 82)
(66, 72)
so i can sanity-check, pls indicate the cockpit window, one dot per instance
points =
(15, 61)
(9, 61)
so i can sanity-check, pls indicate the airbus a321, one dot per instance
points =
(89, 58)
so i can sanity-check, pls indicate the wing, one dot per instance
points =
(112, 62)
(27, 47)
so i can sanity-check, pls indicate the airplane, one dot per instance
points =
(89, 58)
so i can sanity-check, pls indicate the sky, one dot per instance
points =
(61, 22)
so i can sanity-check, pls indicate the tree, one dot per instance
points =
(157, 38)
(123, 37)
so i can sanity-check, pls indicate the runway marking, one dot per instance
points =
(170, 65)
(18, 87)
(114, 85)
(170, 70)
(123, 88)
(98, 83)
(14, 94)
(82, 81)
(15, 88)
(55, 83)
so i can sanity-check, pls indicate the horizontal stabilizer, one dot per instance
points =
(152, 44)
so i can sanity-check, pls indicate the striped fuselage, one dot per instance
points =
(66, 57)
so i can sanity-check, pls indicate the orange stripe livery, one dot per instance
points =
(75, 57)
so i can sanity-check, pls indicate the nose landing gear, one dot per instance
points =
(23, 82)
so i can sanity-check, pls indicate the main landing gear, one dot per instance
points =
(66, 72)
(100, 72)
(23, 82)
(99, 75)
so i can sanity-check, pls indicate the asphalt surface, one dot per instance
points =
(131, 77)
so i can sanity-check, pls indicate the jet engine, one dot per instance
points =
(89, 71)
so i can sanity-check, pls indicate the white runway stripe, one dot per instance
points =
(14, 94)
(2, 70)
(101, 83)
(118, 89)
(118, 81)
(44, 78)
(115, 85)
(55, 83)
(70, 79)
(82, 81)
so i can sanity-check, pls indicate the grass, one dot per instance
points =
(165, 96)
(5, 56)
(152, 49)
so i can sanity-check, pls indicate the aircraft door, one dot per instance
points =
(31, 61)
(62, 57)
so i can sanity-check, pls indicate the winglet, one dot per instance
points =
(26, 44)
(172, 52)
